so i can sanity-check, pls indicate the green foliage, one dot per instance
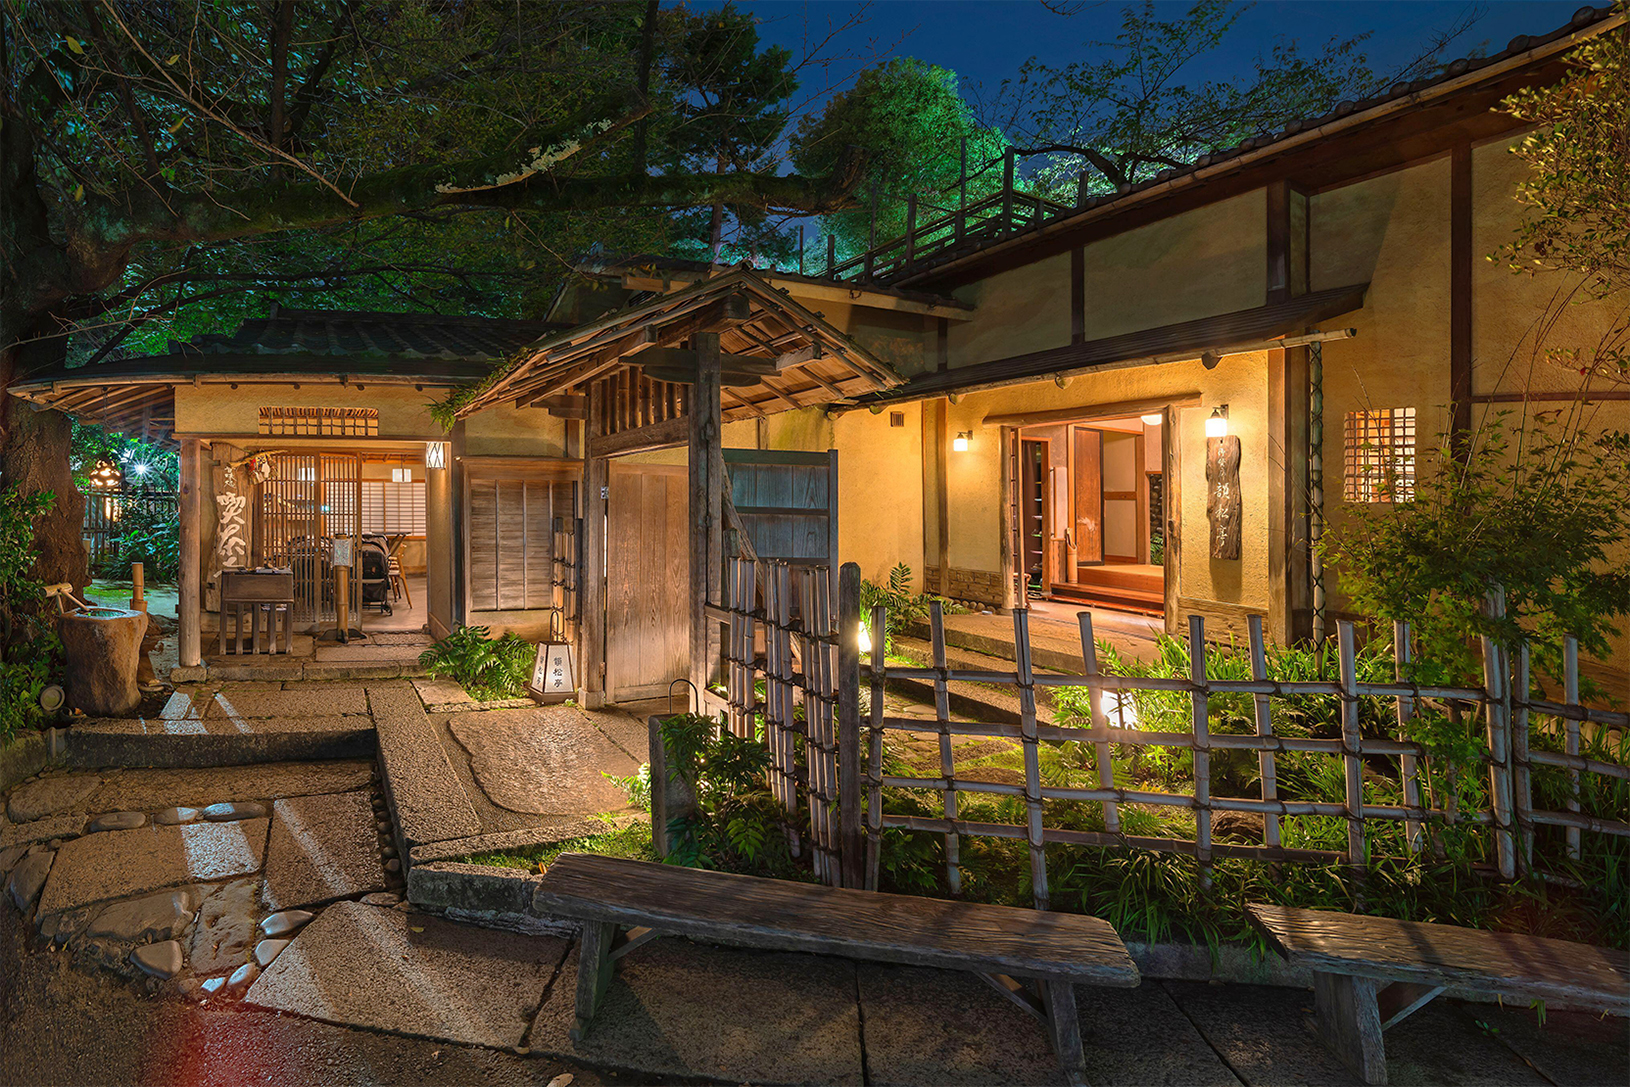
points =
(637, 785)
(738, 826)
(30, 651)
(488, 668)
(909, 118)
(1542, 510)
(905, 607)
(632, 842)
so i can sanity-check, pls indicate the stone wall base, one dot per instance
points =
(975, 586)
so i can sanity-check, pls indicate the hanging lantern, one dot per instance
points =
(106, 476)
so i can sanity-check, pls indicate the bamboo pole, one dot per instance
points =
(1351, 744)
(1408, 764)
(942, 718)
(851, 855)
(1521, 780)
(1201, 723)
(1570, 695)
(1497, 716)
(1264, 728)
(874, 769)
(1095, 695)
(1032, 760)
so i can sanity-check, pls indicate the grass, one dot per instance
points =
(632, 842)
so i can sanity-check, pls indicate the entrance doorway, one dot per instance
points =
(1091, 512)
(647, 579)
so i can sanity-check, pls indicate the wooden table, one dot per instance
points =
(1032, 957)
(1370, 973)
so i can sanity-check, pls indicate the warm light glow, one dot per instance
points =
(106, 476)
(401, 475)
(960, 442)
(1154, 419)
(435, 455)
(865, 639)
(1118, 708)
(1217, 425)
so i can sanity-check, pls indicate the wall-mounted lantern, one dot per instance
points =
(435, 455)
(1217, 425)
(960, 442)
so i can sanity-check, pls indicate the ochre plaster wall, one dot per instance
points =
(1019, 311)
(508, 431)
(220, 409)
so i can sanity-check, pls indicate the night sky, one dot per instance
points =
(986, 41)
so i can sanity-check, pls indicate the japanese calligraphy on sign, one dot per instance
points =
(1222, 496)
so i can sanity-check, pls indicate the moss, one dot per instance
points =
(632, 842)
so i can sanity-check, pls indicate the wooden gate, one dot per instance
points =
(788, 503)
(312, 502)
(647, 580)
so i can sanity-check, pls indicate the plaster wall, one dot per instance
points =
(1018, 311)
(508, 431)
(220, 409)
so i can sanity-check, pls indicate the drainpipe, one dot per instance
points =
(1315, 481)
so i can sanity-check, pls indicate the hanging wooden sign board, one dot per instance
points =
(1223, 506)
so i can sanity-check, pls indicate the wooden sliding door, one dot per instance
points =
(1087, 477)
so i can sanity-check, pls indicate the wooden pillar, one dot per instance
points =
(460, 490)
(1287, 242)
(438, 533)
(706, 538)
(189, 611)
(591, 650)
(1290, 586)
(1460, 297)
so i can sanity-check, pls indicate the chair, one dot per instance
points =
(399, 587)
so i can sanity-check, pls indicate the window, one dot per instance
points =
(1380, 456)
(392, 508)
(320, 422)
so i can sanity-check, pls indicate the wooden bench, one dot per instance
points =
(1370, 973)
(1029, 956)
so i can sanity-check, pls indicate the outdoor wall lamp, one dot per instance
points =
(1153, 419)
(435, 455)
(960, 442)
(1217, 425)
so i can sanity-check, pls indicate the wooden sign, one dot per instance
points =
(1222, 496)
(552, 672)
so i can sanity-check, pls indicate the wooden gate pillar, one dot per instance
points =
(189, 617)
(706, 503)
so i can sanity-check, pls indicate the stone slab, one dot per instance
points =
(322, 848)
(163, 916)
(368, 654)
(1572, 1047)
(219, 742)
(151, 790)
(632, 734)
(1262, 1032)
(50, 795)
(161, 960)
(425, 793)
(564, 830)
(218, 725)
(225, 929)
(335, 670)
(680, 1009)
(119, 863)
(1140, 1037)
(116, 820)
(28, 877)
(544, 761)
(307, 700)
(945, 1027)
(21, 757)
(383, 969)
(71, 825)
(1442, 1047)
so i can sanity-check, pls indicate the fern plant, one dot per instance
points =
(738, 826)
(487, 668)
(905, 607)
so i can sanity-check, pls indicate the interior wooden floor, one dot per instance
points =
(1133, 587)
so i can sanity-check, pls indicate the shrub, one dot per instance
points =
(904, 606)
(487, 668)
(30, 651)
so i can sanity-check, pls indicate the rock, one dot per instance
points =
(267, 950)
(70, 825)
(101, 655)
(161, 960)
(287, 921)
(323, 848)
(1237, 826)
(211, 986)
(382, 898)
(11, 856)
(118, 820)
(49, 795)
(225, 929)
(28, 877)
(226, 813)
(388, 851)
(60, 927)
(393, 865)
(242, 978)
(154, 917)
(170, 817)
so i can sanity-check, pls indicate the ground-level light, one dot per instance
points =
(435, 455)
(865, 639)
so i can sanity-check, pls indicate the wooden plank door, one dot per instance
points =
(647, 580)
(1087, 476)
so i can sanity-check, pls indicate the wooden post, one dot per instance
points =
(874, 767)
(1200, 707)
(342, 605)
(831, 254)
(1095, 711)
(1290, 583)
(962, 194)
(871, 236)
(188, 611)
(851, 847)
(138, 596)
(1408, 764)
(1497, 715)
(1264, 727)
(591, 605)
(1351, 744)
(705, 505)
(1007, 192)
(1030, 739)
(1570, 696)
(942, 717)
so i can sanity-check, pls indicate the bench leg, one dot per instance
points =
(1350, 1023)
(593, 972)
(1064, 1024)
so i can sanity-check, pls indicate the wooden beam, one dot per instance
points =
(1460, 296)
(746, 404)
(1290, 587)
(591, 591)
(681, 358)
(189, 620)
(663, 435)
(560, 405)
(1141, 406)
(705, 532)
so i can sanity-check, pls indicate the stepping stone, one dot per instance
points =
(170, 817)
(163, 916)
(546, 761)
(118, 820)
(242, 978)
(267, 950)
(225, 930)
(279, 924)
(226, 813)
(323, 848)
(11, 856)
(365, 967)
(51, 827)
(382, 898)
(393, 865)
(28, 877)
(161, 960)
(59, 928)
(49, 795)
(150, 790)
(121, 863)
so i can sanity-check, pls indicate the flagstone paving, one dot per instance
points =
(117, 863)
(322, 848)
(544, 761)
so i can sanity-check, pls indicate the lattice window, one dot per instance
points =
(392, 508)
(1380, 456)
(320, 422)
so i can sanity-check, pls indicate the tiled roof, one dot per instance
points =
(369, 335)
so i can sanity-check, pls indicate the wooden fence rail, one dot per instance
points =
(105, 512)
